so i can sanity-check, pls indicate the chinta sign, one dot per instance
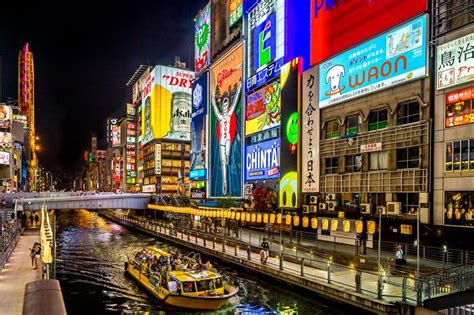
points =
(262, 160)
(393, 58)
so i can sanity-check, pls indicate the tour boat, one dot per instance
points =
(195, 289)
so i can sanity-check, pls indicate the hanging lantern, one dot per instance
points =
(259, 218)
(296, 220)
(314, 223)
(253, 218)
(237, 215)
(272, 218)
(265, 218)
(371, 227)
(305, 222)
(288, 219)
(279, 218)
(334, 224)
(346, 226)
(247, 217)
(359, 226)
(232, 215)
(325, 224)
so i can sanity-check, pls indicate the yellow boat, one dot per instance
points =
(196, 289)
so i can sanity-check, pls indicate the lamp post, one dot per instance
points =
(379, 281)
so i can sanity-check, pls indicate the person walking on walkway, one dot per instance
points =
(264, 251)
(34, 254)
(31, 219)
(36, 219)
(399, 256)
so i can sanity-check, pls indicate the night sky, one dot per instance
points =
(84, 55)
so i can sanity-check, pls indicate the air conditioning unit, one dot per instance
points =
(332, 205)
(305, 209)
(313, 209)
(393, 208)
(322, 206)
(313, 200)
(366, 208)
(330, 197)
(424, 197)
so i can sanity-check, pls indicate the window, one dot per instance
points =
(353, 163)
(410, 202)
(332, 165)
(408, 113)
(378, 119)
(459, 208)
(188, 286)
(378, 160)
(408, 157)
(332, 130)
(459, 155)
(352, 125)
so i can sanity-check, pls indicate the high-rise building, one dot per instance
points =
(26, 101)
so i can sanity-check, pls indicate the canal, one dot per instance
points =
(90, 268)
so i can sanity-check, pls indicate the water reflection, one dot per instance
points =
(91, 256)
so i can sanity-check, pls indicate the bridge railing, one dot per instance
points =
(47, 242)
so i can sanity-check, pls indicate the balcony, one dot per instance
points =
(407, 180)
(409, 135)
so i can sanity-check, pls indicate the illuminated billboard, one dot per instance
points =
(111, 123)
(115, 136)
(5, 117)
(263, 109)
(460, 107)
(339, 25)
(289, 178)
(166, 105)
(235, 11)
(202, 39)
(455, 62)
(393, 58)
(116, 170)
(262, 160)
(198, 169)
(225, 127)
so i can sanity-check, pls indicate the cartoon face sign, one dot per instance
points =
(333, 78)
(292, 128)
(289, 190)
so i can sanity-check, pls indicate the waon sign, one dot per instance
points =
(337, 25)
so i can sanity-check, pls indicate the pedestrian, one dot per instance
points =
(31, 219)
(34, 254)
(36, 219)
(399, 256)
(264, 251)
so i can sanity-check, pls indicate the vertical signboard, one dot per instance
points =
(166, 106)
(235, 11)
(390, 59)
(202, 39)
(265, 46)
(225, 128)
(310, 133)
(289, 178)
(158, 159)
(455, 62)
(198, 169)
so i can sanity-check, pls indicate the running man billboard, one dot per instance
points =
(225, 125)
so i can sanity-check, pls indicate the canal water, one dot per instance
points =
(90, 268)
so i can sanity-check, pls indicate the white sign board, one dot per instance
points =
(455, 62)
(371, 147)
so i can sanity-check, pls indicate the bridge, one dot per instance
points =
(74, 200)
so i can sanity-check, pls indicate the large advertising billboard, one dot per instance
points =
(390, 59)
(455, 62)
(225, 127)
(202, 39)
(265, 42)
(263, 109)
(166, 104)
(460, 108)
(262, 160)
(198, 169)
(115, 134)
(310, 133)
(339, 25)
(289, 178)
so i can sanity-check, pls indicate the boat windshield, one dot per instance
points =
(207, 285)
(188, 286)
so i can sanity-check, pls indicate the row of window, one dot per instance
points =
(460, 155)
(406, 158)
(409, 112)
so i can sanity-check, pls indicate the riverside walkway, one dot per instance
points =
(17, 272)
(337, 282)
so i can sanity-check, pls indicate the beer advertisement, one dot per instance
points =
(225, 128)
